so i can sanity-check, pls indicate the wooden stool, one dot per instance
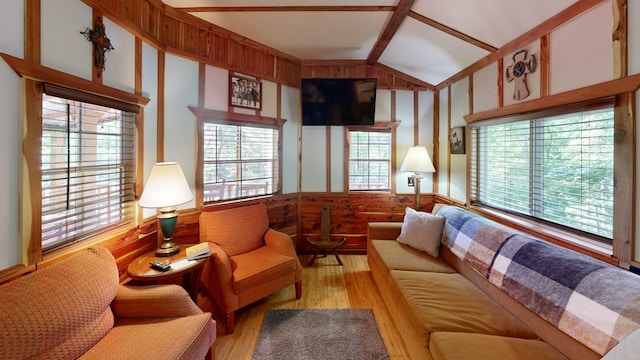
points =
(325, 244)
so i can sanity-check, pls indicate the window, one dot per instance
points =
(370, 160)
(240, 161)
(556, 167)
(88, 169)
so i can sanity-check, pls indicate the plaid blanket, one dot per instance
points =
(472, 238)
(594, 302)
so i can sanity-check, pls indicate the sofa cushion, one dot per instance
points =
(260, 266)
(397, 256)
(62, 310)
(236, 231)
(421, 231)
(449, 302)
(468, 346)
(163, 338)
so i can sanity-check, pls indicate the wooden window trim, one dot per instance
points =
(34, 77)
(602, 90)
(624, 195)
(39, 73)
(347, 157)
(551, 234)
(226, 117)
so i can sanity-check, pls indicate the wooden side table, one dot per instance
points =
(190, 270)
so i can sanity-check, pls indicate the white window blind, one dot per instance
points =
(240, 161)
(369, 160)
(558, 168)
(88, 169)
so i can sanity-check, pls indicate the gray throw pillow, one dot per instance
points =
(421, 231)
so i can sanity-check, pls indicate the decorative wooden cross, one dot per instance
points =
(101, 43)
(522, 66)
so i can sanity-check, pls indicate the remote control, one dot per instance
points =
(160, 266)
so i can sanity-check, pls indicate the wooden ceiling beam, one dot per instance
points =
(405, 77)
(401, 12)
(434, 24)
(283, 8)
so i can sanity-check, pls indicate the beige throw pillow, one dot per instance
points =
(421, 231)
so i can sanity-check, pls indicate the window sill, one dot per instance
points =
(581, 244)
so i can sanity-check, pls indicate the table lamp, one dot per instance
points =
(166, 188)
(418, 162)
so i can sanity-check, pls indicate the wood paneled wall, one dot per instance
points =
(183, 34)
(282, 211)
(388, 79)
(350, 214)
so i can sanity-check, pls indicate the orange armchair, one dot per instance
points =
(249, 261)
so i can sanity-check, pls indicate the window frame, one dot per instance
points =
(236, 119)
(34, 76)
(620, 252)
(127, 153)
(349, 131)
(532, 122)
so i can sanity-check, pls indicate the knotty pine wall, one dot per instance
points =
(350, 214)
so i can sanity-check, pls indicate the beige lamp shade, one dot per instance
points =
(166, 187)
(417, 161)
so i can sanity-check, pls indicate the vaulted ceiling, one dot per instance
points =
(429, 40)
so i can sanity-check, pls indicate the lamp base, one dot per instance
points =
(167, 219)
(417, 179)
(167, 248)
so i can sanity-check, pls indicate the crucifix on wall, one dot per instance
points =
(523, 64)
(101, 43)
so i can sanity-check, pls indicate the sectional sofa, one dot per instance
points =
(474, 289)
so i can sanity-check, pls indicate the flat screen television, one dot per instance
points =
(338, 102)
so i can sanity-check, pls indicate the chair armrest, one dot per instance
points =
(217, 275)
(383, 230)
(154, 301)
(280, 242)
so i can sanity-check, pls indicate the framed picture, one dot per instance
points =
(245, 92)
(456, 140)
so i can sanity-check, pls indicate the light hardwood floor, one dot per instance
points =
(325, 285)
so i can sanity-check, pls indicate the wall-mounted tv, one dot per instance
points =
(336, 102)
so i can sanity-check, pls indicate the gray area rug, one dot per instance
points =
(302, 334)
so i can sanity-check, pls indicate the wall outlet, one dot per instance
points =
(410, 180)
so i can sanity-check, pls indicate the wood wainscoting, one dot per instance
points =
(350, 214)
(297, 215)
(282, 211)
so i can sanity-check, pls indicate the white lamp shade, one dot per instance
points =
(417, 161)
(165, 187)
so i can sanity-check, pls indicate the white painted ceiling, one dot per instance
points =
(418, 48)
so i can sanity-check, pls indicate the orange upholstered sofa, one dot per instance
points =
(249, 260)
(78, 309)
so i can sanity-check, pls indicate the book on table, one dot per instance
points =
(199, 251)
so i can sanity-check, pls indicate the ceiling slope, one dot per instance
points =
(429, 40)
